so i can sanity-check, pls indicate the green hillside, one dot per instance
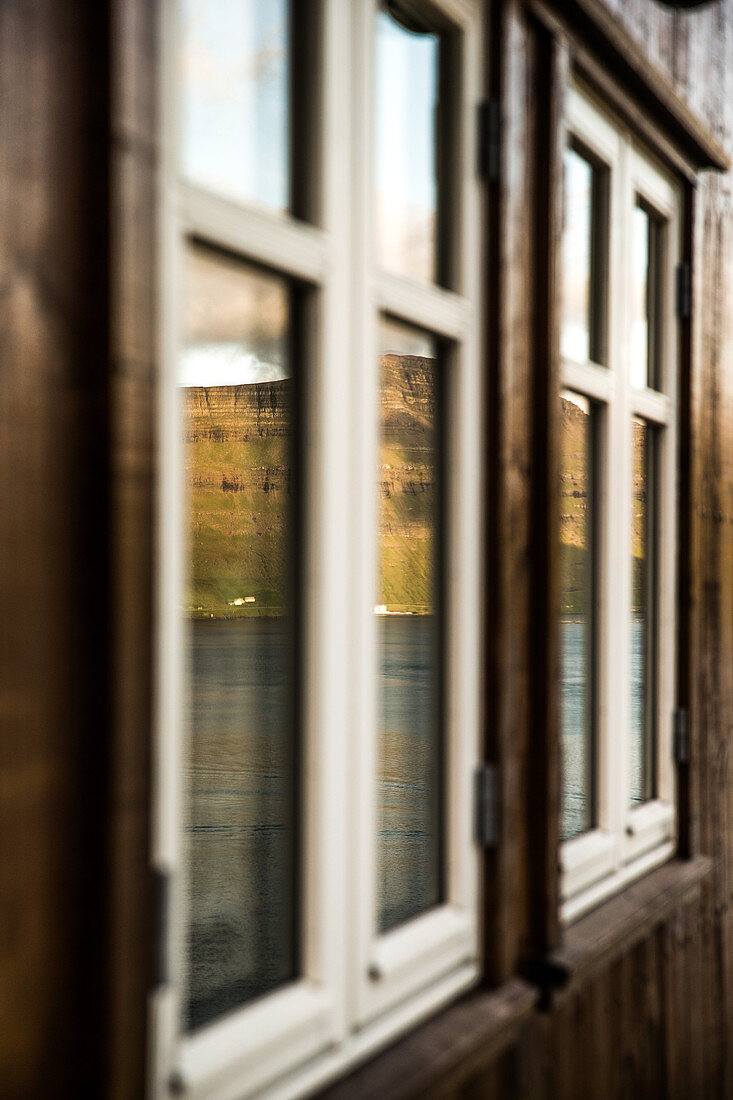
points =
(240, 493)
(407, 486)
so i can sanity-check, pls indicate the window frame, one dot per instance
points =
(358, 990)
(393, 965)
(626, 842)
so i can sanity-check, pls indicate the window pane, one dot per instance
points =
(237, 402)
(645, 267)
(235, 117)
(577, 257)
(577, 621)
(642, 617)
(408, 608)
(407, 74)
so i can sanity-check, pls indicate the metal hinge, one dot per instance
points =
(684, 291)
(488, 139)
(162, 900)
(681, 735)
(486, 805)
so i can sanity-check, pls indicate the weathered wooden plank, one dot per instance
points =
(507, 574)
(630, 917)
(445, 1053)
(543, 780)
(133, 342)
(53, 345)
(597, 35)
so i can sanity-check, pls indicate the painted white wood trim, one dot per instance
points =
(260, 1041)
(453, 317)
(397, 952)
(647, 826)
(586, 859)
(591, 126)
(651, 182)
(641, 838)
(257, 1042)
(576, 907)
(356, 1047)
(292, 248)
(655, 407)
(589, 379)
(427, 306)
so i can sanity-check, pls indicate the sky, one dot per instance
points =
(235, 122)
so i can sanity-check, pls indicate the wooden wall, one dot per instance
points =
(646, 1027)
(77, 433)
(657, 1021)
(53, 548)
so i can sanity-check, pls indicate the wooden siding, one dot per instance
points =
(53, 551)
(77, 232)
(646, 1026)
(658, 1020)
(77, 418)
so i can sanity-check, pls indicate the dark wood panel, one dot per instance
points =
(53, 572)
(652, 1017)
(509, 473)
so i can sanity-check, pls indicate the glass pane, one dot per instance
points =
(577, 625)
(642, 617)
(240, 828)
(409, 780)
(407, 69)
(645, 243)
(235, 117)
(575, 336)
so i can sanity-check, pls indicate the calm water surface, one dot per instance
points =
(574, 814)
(240, 825)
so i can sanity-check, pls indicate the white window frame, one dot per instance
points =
(358, 989)
(392, 966)
(626, 842)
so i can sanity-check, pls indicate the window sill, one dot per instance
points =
(460, 1038)
(612, 929)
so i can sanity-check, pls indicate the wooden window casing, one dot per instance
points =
(626, 842)
(358, 988)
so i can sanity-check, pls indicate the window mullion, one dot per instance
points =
(294, 248)
(618, 592)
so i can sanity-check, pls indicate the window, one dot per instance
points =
(617, 521)
(319, 561)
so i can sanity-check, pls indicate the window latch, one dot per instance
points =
(488, 139)
(486, 806)
(684, 291)
(681, 735)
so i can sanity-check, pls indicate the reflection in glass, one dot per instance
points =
(577, 625)
(235, 111)
(577, 257)
(237, 397)
(407, 67)
(409, 784)
(645, 238)
(643, 735)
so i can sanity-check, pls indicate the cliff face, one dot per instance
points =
(239, 481)
(239, 474)
(236, 413)
(575, 533)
